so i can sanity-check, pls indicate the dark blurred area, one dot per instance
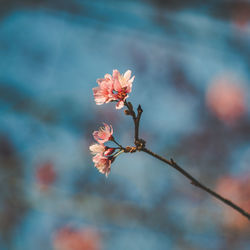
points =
(191, 65)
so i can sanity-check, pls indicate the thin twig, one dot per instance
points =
(137, 123)
(140, 145)
(113, 139)
(136, 118)
(196, 183)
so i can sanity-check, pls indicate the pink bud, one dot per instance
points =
(109, 151)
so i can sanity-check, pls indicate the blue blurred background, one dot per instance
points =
(191, 62)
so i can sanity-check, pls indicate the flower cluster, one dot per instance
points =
(102, 154)
(113, 88)
(225, 100)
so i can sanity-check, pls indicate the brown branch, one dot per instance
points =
(196, 183)
(140, 146)
(137, 125)
(136, 118)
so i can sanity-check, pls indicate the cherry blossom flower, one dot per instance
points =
(122, 86)
(113, 88)
(104, 92)
(68, 238)
(104, 134)
(102, 163)
(102, 154)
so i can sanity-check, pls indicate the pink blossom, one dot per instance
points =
(45, 175)
(102, 164)
(226, 100)
(68, 238)
(236, 189)
(104, 92)
(97, 149)
(104, 134)
(114, 88)
(122, 86)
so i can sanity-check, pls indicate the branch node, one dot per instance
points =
(172, 161)
(194, 183)
(130, 149)
(140, 144)
(130, 106)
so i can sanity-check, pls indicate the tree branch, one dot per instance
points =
(140, 146)
(196, 183)
(137, 123)
(136, 118)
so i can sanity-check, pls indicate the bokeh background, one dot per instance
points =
(191, 60)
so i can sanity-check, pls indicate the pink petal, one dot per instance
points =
(108, 76)
(102, 164)
(127, 75)
(131, 80)
(117, 85)
(120, 104)
(108, 128)
(96, 158)
(95, 135)
(116, 73)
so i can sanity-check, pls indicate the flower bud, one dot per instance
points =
(109, 151)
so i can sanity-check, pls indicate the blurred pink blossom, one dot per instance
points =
(71, 239)
(102, 163)
(104, 134)
(45, 175)
(238, 191)
(226, 100)
(241, 16)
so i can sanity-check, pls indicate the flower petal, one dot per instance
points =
(120, 104)
(127, 75)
